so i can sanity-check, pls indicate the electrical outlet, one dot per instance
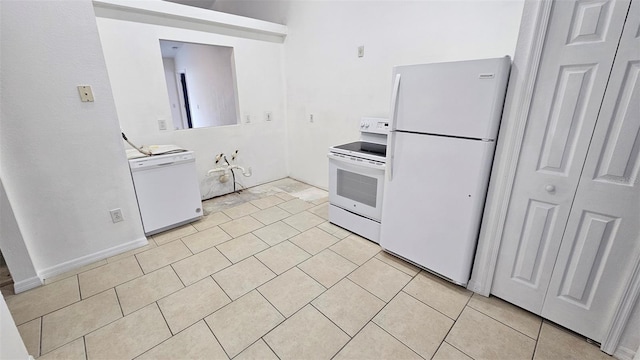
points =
(311, 118)
(116, 215)
(268, 116)
(162, 124)
(247, 118)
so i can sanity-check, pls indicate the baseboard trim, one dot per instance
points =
(88, 259)
(27, 284)
(624, 353)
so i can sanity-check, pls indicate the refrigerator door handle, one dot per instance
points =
(392, 136)
(394, 101)
(390, 150)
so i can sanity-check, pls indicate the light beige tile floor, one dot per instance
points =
(264, 276)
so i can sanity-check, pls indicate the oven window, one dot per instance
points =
(357, 187)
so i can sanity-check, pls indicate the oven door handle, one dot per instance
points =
(364, 163)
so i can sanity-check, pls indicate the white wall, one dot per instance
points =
(172, 88)
(62, 161)
(210, 83)
(13, 247)
(326, 77)
(140, 92)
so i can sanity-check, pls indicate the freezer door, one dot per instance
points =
(434, 203)
(462, 99)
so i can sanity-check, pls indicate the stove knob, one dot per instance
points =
(367, 126)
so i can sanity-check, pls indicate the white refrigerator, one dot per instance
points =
(444, 124)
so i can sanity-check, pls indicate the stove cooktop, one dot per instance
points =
(364, 147)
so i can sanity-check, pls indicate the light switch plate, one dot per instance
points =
(86, 95)
(162, 124)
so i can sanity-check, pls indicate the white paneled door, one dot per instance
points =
(601, 242)
(557, 255)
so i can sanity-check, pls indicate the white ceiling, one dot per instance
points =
(204, 4)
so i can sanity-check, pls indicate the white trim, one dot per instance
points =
(524, 71)
(624, 353)
(27, 284)
(88, 259)
(171, 12)
(623, 312)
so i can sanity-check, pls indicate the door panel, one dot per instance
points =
(578, 54)
(534, 243)
(567, 116)
(619, 161)
(602, 239)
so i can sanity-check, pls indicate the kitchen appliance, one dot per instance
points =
(166, 188)
(356, 180)
(443, 127)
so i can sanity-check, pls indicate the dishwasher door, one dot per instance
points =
(167, 191)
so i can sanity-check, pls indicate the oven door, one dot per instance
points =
(356, 185)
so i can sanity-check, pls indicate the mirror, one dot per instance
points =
(201, 84)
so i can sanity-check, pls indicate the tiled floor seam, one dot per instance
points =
(117, 298)
(270, 348)
(264, 297)
(84, 345)
(181, 282)
(268, 331)
(40, 341)
(535, 348)
(215, 337)
(231, 263)
(450, 344)
(454, 324)
(385, 330)
(296, 265)
(50, 312)
(448, 317)
(94, 330)
(498, 320)
(167, 323)
(68, 342)
(185, 245)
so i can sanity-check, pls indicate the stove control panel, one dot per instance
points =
(374, 125)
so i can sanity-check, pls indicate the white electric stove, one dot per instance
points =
(356, 180)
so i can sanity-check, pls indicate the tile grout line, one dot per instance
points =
(535, 348)
(165, 321)
(454, 324)
(51, 312)
(269, 346)
(214, 334)
(273, 306)
(505, 324)
(40, 341)
(383, 329)
(84, 344)
(449, 317)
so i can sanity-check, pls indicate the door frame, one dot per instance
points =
(526, 62)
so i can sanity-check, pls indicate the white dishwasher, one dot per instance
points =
(167, 190)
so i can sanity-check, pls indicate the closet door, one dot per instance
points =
(578, 54)
(601, 243)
